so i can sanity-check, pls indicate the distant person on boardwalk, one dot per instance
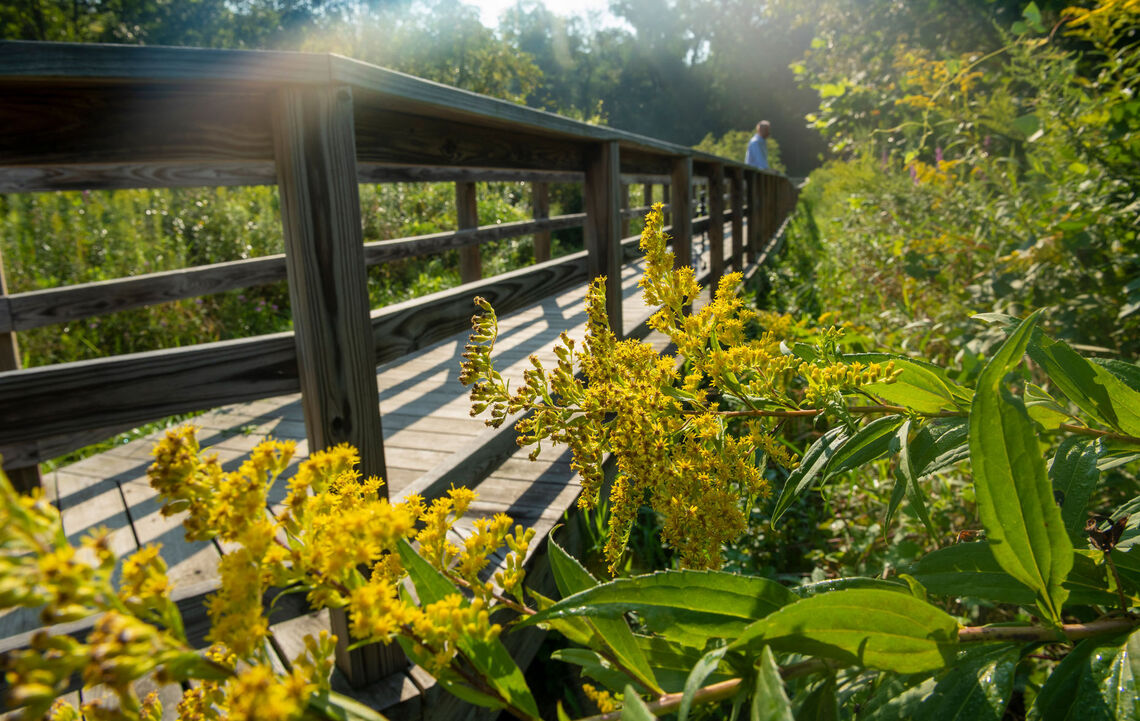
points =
(757, 155)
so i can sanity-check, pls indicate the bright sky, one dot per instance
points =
(490, 9)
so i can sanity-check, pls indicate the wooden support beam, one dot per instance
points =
(737, 193)
(682, 194)
(667, 216)
(315, 153)
(23, 477)
(755, 216)
(540, 199)
(467, 216)
(603, 224)
(716, 225)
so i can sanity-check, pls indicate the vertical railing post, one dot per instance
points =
(682, 194)
(603, 225)
(716, 225)
(540, 199)
(467, 216)
(23, 478)
(666, 194)
(738, 219)
(755, 215)
(623, 195)
(647, 195)
(315, 153)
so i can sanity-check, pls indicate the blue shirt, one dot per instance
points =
(757, 155)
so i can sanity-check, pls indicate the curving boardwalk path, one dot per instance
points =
(430, 442)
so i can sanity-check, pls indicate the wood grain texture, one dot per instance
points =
(124, 391)
(467, 218)
(755, 216)
(540, 202)
(377, 173)
(603, 225)
(736, 193)
(383, 136)
(320, 212)
(682, 200)
(716, 225)
(61, 125)
(112, 176)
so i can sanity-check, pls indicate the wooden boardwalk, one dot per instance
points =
(430, 442)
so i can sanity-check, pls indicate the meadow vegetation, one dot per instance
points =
(906, 488)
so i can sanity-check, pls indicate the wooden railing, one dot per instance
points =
(98, 117)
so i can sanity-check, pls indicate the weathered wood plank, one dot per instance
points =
(60, 125)
(682, 199)
(467, 218)
(737, 196)
(380, 173)
(603, 227)
(716, 225)
(320, 211)
(39, 308)
(23, 476)
(383, 136)
(540, 200)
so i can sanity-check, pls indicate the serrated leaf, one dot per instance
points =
(571, 577)
(869, 443)
(769, 699)
(490, 658)
(685, 606)
(1015, 500)
(969, 569)
(977, 689)
(1074, 475)
(920, 386)
(814, 461)
(866, 627)
(1094, 682)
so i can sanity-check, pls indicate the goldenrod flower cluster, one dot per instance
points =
(676, 447)
(336, 537)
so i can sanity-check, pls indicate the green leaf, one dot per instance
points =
(1128, 373)
(868, 627)
(1044, 409)
(839, 584)
(338, 707)
(672, 662)
(1075, 476)
(490, 658)
(977, 689)
(813, 463)
(1026, 124)
(822, 704)
(1095, 389)
(633, 708)
(1015, 500)
(571, 577)
(939, 444)
(904, 472)
(1033, 16)
(594, 665)
(870, 442)
(920, 386)
(969, 569)
(897, 698)
(685, 606)
(696, 679)
(1094, 682)
(769, 700)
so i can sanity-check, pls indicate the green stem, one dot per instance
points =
(1083, 431)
